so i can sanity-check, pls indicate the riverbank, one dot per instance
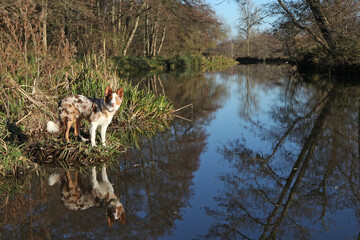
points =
(181, 63)
(316, 61)
(30, 98)
(266, 60)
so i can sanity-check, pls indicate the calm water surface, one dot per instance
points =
(265, 156)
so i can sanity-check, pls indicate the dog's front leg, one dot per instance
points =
(94, 181)
(93, 128)
(103, 133)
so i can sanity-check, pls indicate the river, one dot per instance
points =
(266, 154)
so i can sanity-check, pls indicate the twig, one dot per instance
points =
(183, 118)
(57, 86)
(186, 106)
(23, 118)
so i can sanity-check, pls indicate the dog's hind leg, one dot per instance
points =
(68, 126)
(77, 130)
(77, 127)
(104, 175)
(70, 183)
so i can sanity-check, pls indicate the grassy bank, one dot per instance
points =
(181, 63)
(29, 98)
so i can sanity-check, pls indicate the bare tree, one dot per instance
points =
(331, 25)
(250, 17)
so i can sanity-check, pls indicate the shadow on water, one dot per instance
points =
(288, 167)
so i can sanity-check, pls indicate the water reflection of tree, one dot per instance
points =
(250, 79)
(312, 171)
(200, 90)
(164, 170)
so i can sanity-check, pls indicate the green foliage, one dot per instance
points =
(12, 159)
(144, 109)
(13, 162)
(138, 65)
(216, 63)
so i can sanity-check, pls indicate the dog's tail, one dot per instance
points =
(53, 127)
(54, 178)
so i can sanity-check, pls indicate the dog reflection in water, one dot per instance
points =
(75, 196)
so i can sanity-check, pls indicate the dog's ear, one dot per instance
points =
(123, 218)
(107, 90)
(120, 92)
(110, 221)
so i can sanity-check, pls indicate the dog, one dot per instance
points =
(99, 112)
(76, 197)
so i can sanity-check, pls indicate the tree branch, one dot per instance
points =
(302, 27)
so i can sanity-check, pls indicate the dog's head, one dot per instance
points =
(113, 99)
(115, 211)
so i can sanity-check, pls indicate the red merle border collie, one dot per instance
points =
(99, 112)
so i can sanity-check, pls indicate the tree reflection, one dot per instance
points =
(203, 92)
(311, 172)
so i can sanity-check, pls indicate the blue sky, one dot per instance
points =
(229, 12)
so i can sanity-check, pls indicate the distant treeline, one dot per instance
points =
(318, 36)
(112, 27)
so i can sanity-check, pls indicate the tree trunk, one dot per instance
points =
(133, 31)
(146, 37)
(154, 35)
(162, 40)
(322, 22)
(248, 44)
(132, 34)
